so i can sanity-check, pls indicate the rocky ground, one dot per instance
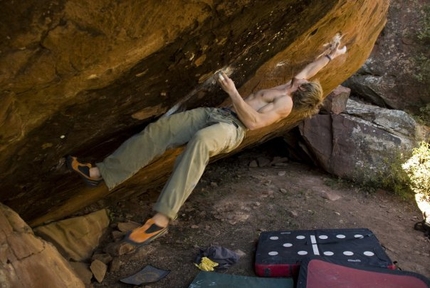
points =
(236, 200)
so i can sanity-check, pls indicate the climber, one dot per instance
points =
(206, 133)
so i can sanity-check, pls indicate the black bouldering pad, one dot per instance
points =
(220, 280)
(147, 275)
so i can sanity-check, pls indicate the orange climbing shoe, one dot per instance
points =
(145, 234)
(83, 170)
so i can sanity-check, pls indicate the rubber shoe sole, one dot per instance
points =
(83, 170)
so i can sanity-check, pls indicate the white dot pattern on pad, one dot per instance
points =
(302, 252)
(368, 253)
(273, 253)
(274, 238)
(300, 237)
(287, 245)
(340, 236)
(323, 237)
(348, 253)
(328, 253)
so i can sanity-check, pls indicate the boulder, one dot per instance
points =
(77, 237)
(81, 78)
(362, 143)
(336, 101)
(28, 261)
(397, 73)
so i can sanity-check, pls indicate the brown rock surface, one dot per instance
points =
(28, 261)
(335, 102)
(77, 237)
(80, 79)
(99, 270)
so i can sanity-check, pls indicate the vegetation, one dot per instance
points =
(418, 170)
(404, 177)
(395, 178)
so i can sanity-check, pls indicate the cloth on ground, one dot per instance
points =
(221, 255)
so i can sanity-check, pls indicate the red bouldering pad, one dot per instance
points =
(320, 273)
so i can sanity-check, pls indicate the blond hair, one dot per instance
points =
(308, 98)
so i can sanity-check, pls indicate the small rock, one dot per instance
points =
(127, 226)
(202, 213)
(240, 253)
(253, 164)
(115, 265)
(246, 209)
(268, 192)
(194, 226)
(119, 248)
(294, 214)
(282, 173)
(279, 160)
(330, 196)
(83, 272)
(117, 234)
(99, 270)
(263, 161)
(283, 190)
(105, 258)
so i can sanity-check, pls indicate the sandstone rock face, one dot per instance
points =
(81, 78)
(397, 73)
(361, 143)
(77, 237)
(28, 261)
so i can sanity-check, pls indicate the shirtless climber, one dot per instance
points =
(206, 133)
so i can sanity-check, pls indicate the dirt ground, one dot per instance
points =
(235, 201)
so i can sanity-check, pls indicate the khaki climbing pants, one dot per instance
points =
(207, 132)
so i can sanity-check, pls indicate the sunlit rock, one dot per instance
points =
(80, 78)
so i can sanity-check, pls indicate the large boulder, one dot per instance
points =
(28, 261)
(363, 143)
(81, 78)
(397, 73)
(76, 238)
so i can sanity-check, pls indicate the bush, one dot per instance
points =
(418, 169)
